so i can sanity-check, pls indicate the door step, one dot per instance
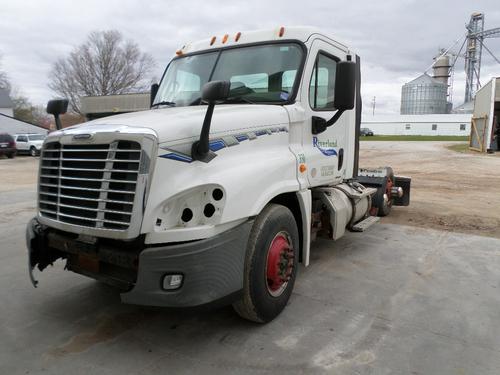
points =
(365, 224)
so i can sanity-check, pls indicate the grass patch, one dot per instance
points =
(403, 138)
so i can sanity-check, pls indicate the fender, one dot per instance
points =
(305, 203)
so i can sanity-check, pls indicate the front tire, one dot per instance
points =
(270, 265)
(33, 151)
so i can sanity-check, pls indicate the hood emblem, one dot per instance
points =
(82, 136)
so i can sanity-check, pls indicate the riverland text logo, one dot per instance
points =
(326, 147)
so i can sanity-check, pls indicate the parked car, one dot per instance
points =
(29, 143)
(366, 132)
(7, 145)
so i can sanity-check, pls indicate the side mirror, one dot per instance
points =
(215, 91)
(154, 91)
(57, 107)
(345, 85)
(345, 90)
(211, 93)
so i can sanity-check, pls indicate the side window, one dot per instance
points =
(22, 138)
(407, 126)
(462, 127)
(321, 89)
(434, 127)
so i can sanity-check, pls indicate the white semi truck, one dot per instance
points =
(249, 152)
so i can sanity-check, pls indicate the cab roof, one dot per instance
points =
(301, 33)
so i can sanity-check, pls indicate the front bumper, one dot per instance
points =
(212, 268)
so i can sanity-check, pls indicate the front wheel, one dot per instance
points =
(33, 151)
(270, 265)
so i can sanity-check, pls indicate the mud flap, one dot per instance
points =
(378, 178)
(39, 255)
(405, 184)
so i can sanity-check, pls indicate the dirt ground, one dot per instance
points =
(458, 192)
(19, 173)
(451, 191)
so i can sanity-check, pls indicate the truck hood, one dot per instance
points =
(175, 124)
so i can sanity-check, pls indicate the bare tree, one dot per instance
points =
(25, 110)
(105, 64)
(4, 78)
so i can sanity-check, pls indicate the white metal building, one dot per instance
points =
(434, 124)
(6, 104)
(11, 125)
(100, 106)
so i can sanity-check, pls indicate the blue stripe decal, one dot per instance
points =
(241, 137)
(177, 157)
(260, 132)
(328, 151)
(218, 144)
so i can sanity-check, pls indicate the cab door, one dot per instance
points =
(325, 152)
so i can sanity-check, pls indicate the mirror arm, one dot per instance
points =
(319, 124)
(211, 93)
(58, 122)
(201, 148)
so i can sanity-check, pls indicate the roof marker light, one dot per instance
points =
(282, 31)
(179, 52)
(212, 41)
(224, 38)
(237, 37)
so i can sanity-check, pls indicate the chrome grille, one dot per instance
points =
(90, 185)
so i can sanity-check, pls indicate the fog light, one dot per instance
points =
(172, 282)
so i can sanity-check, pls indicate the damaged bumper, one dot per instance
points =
(212, 269)
(38, 254)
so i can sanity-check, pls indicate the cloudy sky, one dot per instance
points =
(396, 39)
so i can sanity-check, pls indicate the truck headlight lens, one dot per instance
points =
(198, 206)
(172, 282)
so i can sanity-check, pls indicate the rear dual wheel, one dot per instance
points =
(385, 199)
(270, 265)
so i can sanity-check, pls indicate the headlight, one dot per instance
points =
(202, 205)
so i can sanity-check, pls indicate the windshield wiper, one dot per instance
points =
(238, 99)
(230, 100)
(171, 104)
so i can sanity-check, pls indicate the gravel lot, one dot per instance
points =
(451, 191)
(396, 299)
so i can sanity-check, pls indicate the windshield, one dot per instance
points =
(38, 137)
(258, 74)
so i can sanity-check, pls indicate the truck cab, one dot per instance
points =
(249, 151)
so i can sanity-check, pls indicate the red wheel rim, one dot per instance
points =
(279, 266)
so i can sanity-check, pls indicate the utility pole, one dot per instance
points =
(373, 105)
